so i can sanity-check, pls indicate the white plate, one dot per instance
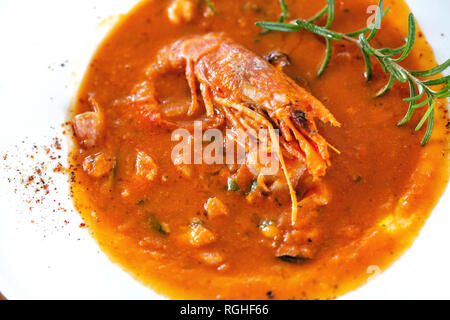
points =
(46, 46)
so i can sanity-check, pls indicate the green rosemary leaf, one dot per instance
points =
(389, 52)
(278, 26)
(386, 11)
(380, 60)
(430, 126)
(386, 88)
(425, 117)
(372, 34)
(377, 25)
(368, 64)
(330, 10)
(397, 73)
(409, 113)
(366, 46)
(411, 38)
(358, 32)
(326, 60)
(423, 103)
(319, 15)
(319, 30)
(415, 97)
(366, 29)
(435, 82)
(445, 92)
(285, 11)
(431, 72)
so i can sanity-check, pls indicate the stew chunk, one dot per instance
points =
(88, 128)
(181, 11)
(98, 165)
(215, 207)
(200, 236)
(146, 166)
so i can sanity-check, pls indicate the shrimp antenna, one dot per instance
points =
(333, 148)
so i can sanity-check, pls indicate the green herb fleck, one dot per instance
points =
(211, 6)
(157, 226)
(232, 185)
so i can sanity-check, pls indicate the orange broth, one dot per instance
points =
(382, 186)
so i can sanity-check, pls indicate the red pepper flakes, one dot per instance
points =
(59, 167)
(31, 172)
(30, 180)
(57, 143)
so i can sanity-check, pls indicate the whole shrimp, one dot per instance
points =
(238, 83)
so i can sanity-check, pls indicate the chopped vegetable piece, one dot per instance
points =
(200, 236)
(181, 11)
(211, 258)
(215, 207)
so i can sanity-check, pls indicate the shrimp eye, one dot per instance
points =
(300, 120)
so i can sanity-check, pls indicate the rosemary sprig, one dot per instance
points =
(421, 93)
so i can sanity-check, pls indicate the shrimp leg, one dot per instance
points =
(190, 76)
(314, 162)
(207, 100)
(274, 138)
